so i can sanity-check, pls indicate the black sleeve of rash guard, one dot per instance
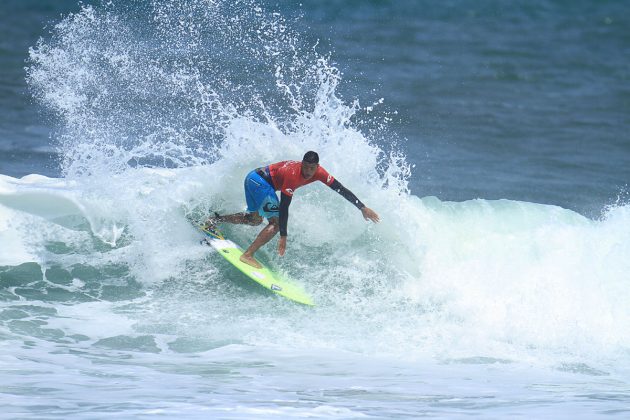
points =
(347, 194)
(285, 200)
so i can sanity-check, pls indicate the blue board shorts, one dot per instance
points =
(260, 196)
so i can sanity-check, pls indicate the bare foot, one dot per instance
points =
(250, 261)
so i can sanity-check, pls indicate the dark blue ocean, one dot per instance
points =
(492, 137)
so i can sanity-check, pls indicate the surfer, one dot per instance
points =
(261, 185)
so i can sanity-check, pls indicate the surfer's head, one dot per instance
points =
(310, 163)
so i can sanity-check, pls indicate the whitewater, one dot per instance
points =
(109, 305)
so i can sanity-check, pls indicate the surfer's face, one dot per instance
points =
(309, 169)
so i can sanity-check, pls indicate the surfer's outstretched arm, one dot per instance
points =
(368, 213)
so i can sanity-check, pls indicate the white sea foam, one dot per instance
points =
(456, 279)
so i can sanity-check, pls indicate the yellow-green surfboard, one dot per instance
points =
(263, 276)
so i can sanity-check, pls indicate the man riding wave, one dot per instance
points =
(261, 185)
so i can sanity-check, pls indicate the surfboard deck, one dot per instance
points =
(263, 276)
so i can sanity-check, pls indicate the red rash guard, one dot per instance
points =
(287, 176)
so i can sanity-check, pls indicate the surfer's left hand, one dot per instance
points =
(282, 245)
(369, 214)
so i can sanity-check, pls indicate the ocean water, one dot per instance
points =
(491, 137)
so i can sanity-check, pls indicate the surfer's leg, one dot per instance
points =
(251, 218)
(254, 196)
(263, 237)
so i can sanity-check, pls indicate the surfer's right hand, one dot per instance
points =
(369, 214)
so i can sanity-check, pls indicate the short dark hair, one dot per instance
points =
(311, 157)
